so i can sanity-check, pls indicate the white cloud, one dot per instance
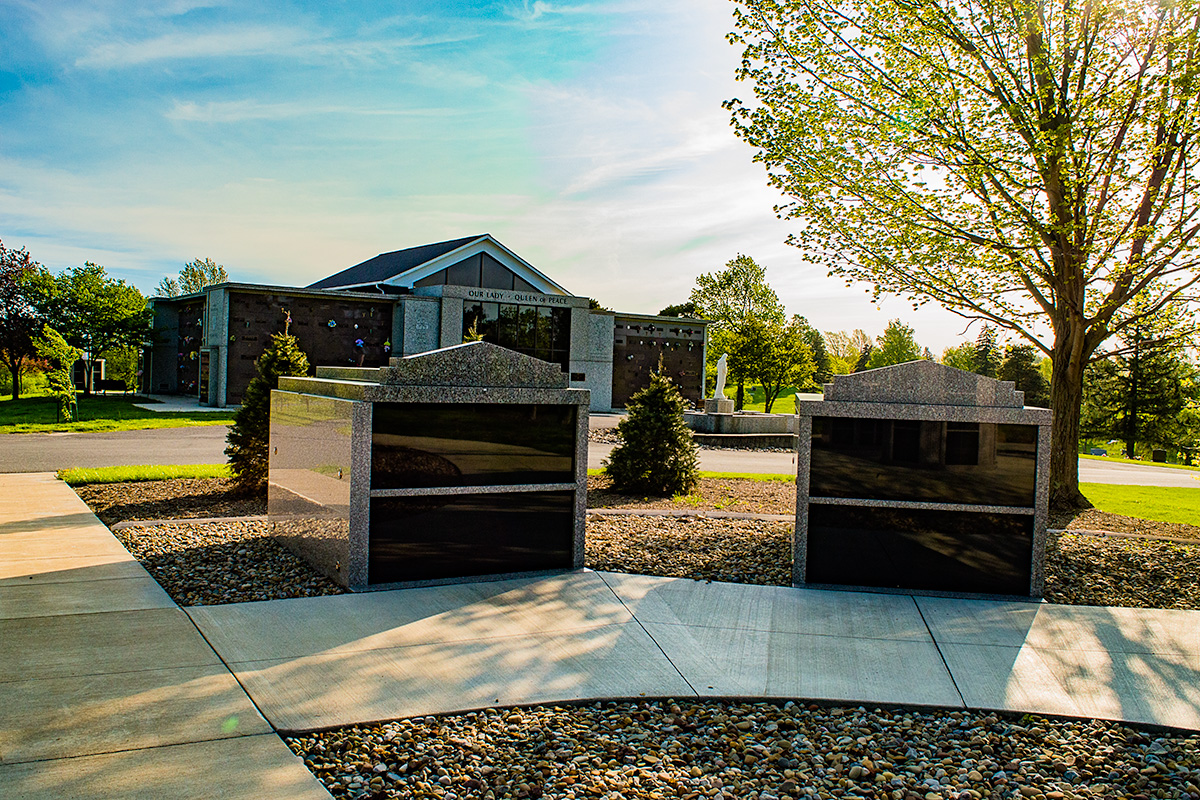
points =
(243, 110)
(240, 41)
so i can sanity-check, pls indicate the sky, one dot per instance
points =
(290, 140)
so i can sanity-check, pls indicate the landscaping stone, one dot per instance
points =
(690, 749)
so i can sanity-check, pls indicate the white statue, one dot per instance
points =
(722, 369)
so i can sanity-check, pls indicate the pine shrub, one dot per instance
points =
(249, 438)
(656, 454)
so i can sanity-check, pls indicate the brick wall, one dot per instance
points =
(637, 346)
(254, 317)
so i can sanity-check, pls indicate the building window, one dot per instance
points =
(540, 331)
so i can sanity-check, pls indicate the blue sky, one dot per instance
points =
(289, 140)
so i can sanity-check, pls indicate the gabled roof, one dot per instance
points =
(388, 265)
(924, 383)
(403, 268)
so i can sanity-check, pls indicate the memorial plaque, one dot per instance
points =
(418, 445)
(945, 551)
(450, 536)
(459, 464)
(924, 461)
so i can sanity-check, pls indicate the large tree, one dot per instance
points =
(22, 283)
(772, 354)
(1138, 396)
(1021, 366)
(822, 362)
(1023, 162)
(194, 277)
(896, 345)
(845, 349)
(960, 356)
(728, 299)
(986, 360)
(97, 313)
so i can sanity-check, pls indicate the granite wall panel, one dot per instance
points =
(311, 469)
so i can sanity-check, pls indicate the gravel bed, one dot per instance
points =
(237, 561)
(225, 562)
(734, 550)
(603, 436)
(228, 562)
(1103, 571)
(692, 749)
(1080, 569)
(176, 498)
(1094, 519)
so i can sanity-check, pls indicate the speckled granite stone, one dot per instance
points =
(924, 383)
(473, 364)
(925, 391)
(474, 373)
(370, 374)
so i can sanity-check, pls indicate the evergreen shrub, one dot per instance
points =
(656, 454)
(248, 440)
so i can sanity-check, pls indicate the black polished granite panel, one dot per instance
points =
(418, 445)
(945, 551)
(456, 536)
(976, 463)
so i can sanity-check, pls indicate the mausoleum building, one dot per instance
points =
(413, 301)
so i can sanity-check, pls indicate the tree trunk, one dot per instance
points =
(1131, 417)
(1066, 395)
(741, 395)
(14, 370)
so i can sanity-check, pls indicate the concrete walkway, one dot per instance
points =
(163, 403)
(108, 689)
(327, 661)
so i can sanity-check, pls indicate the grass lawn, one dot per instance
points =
(142, 472)
(1164, 503)
(97, 413)
(756, 399)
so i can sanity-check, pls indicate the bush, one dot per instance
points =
(656, 454)
(61, 356)
(248, 440)
(33, 379)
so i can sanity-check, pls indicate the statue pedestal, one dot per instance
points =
(715, 406)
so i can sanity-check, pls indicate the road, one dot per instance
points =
(1135, 474)
(46, 452)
